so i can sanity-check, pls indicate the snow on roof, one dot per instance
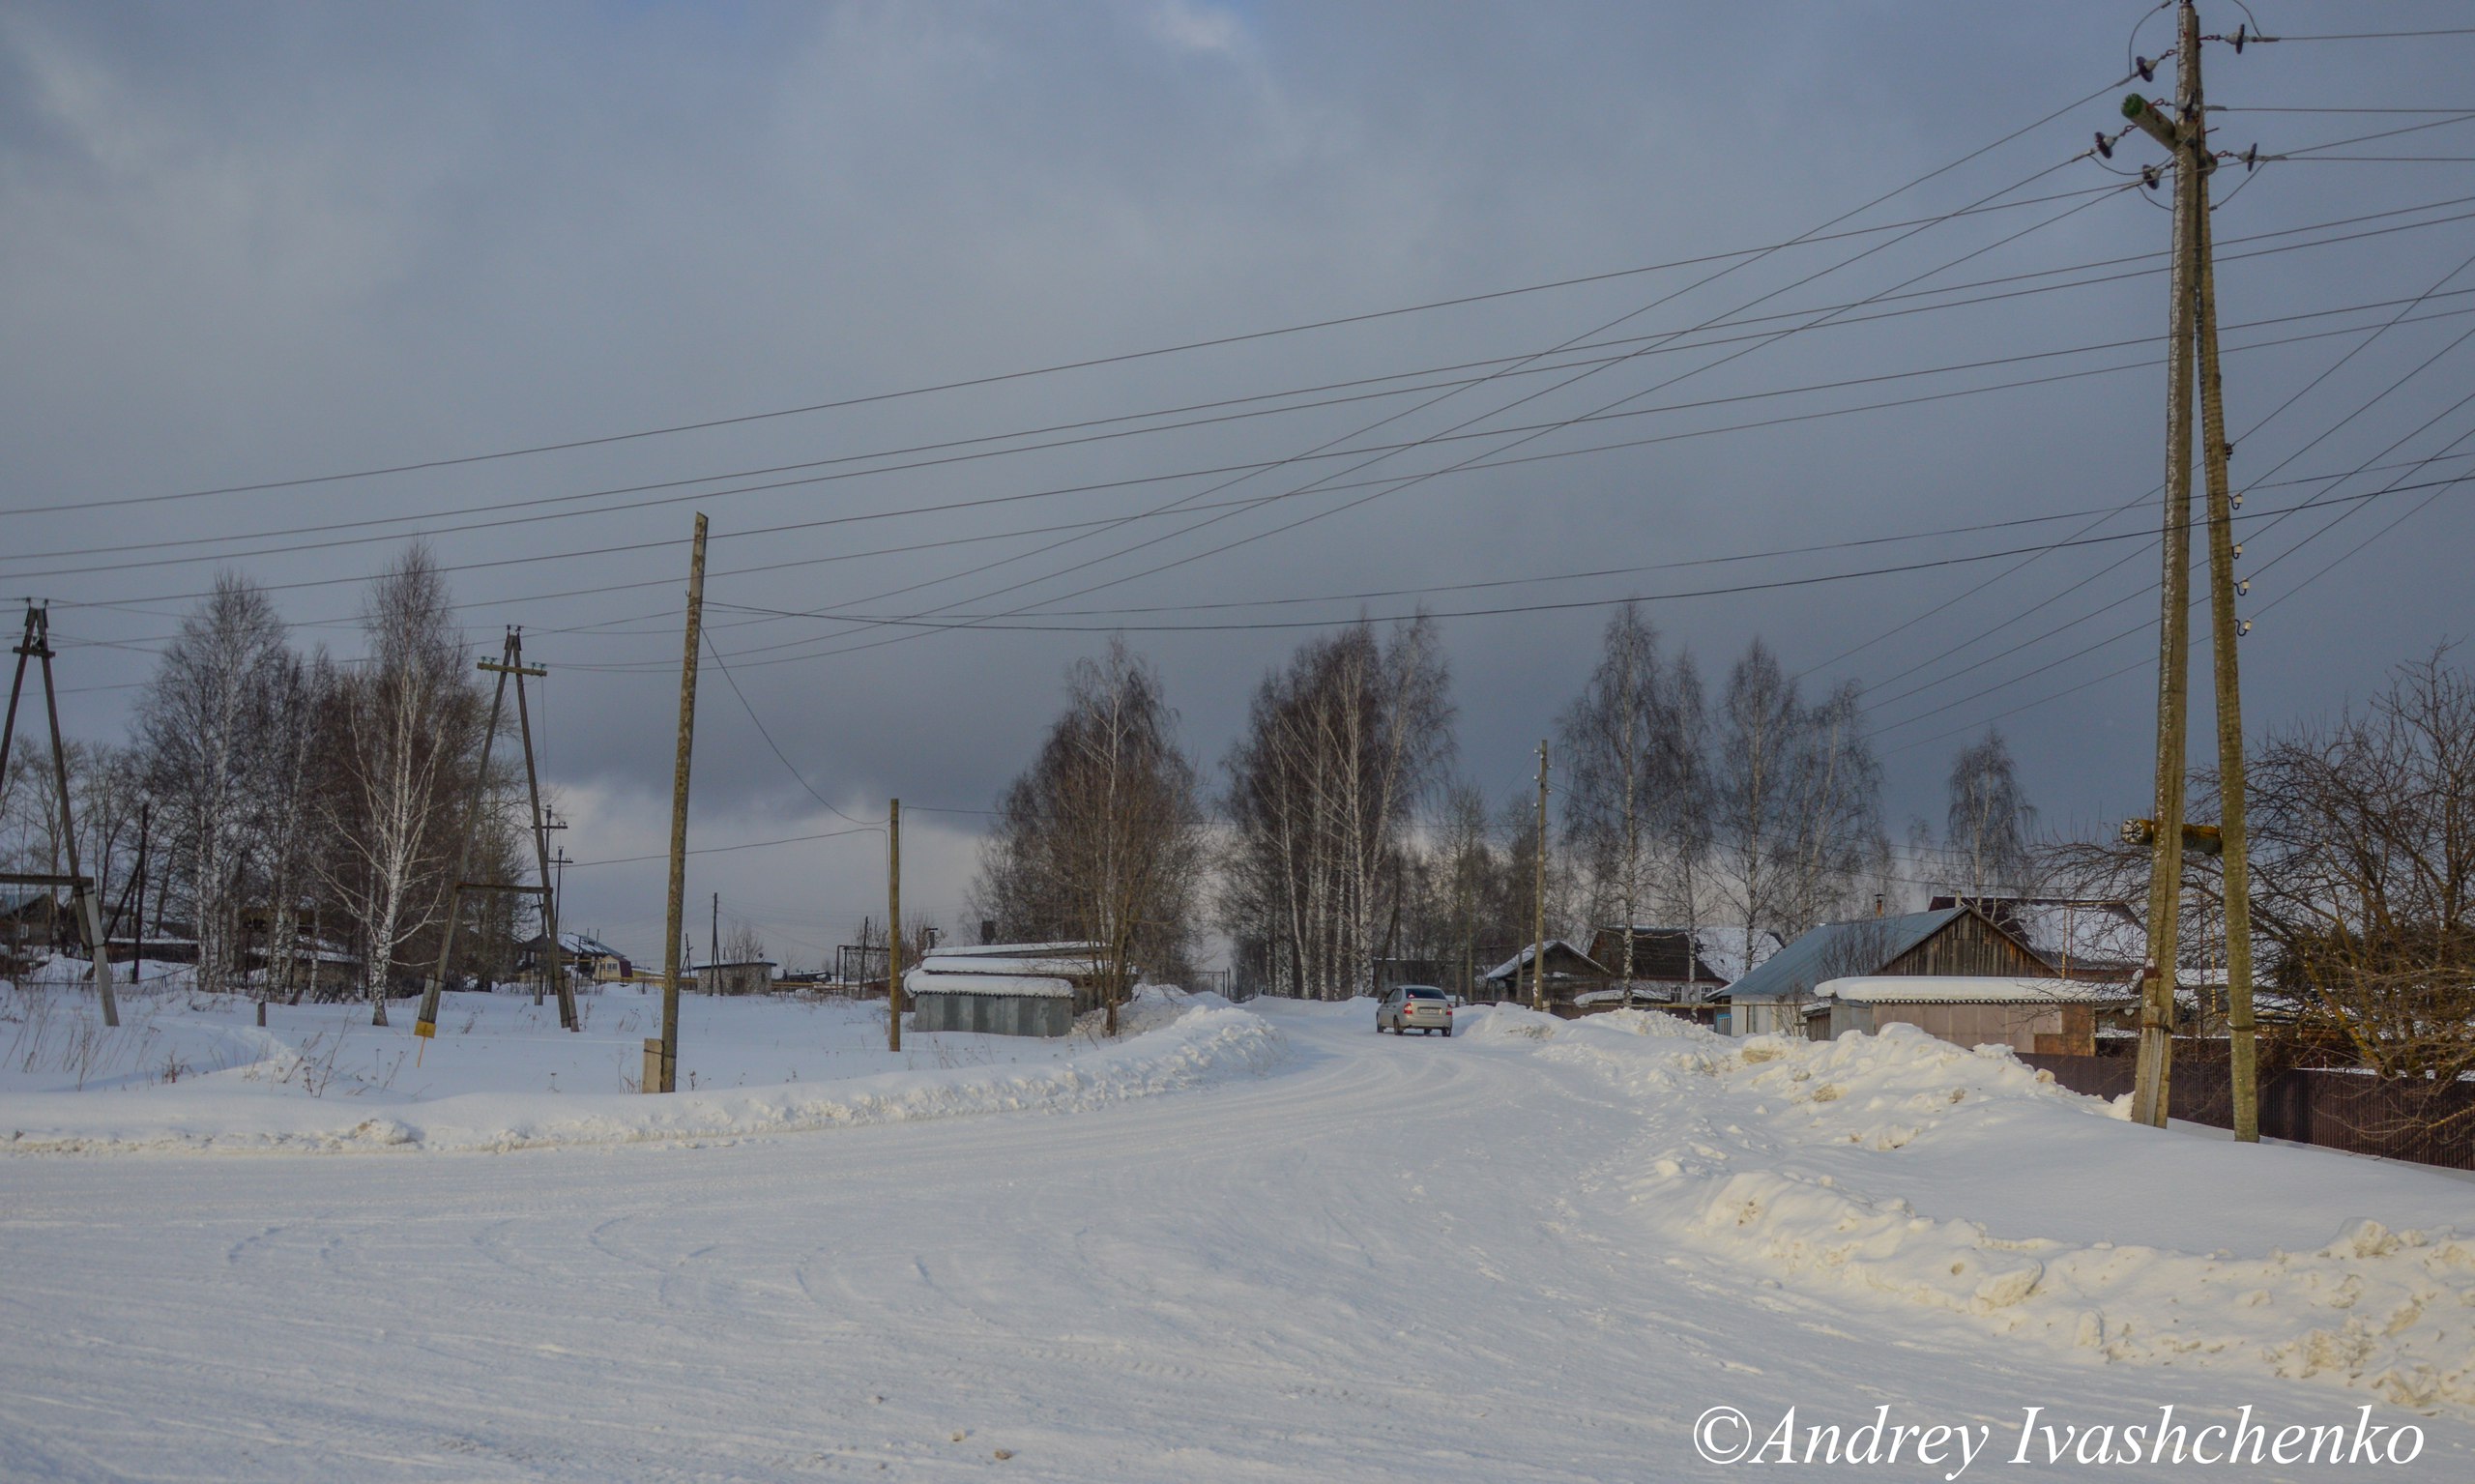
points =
(1729, 952)
(942, 962)
(1022, 949)
(733, 963)
(586, 942)
(1521, 960)
(1025, 985)
(1965, 989)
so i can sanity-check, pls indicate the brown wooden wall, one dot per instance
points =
(1969, 944)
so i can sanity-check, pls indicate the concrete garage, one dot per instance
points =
(2056, 1017)
(990, 1004)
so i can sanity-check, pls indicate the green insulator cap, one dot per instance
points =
(2134, 106)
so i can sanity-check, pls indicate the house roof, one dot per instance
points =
(1521, 960)
(1053, 966)
(1834, 948)
(1662, 953)
(1014, 950)
(1028, 985)
(586, 942)
(1966, 989)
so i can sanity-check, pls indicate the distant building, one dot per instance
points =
(741, 976)
(1570, 972)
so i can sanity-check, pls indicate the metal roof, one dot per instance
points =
(1836, 949)
(1967, 989)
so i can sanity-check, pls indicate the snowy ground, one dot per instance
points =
(1538, 1251)
(195, 1072)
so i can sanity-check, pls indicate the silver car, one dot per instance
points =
(1414, 1007)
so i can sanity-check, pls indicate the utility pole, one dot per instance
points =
(713, 939)
(83, 897)
(2153, 1068)
(510, 665)
(893, 926)
(661, 1058)
(2224, 631)
(2194, 336)
(1539, 901)
(554, 958)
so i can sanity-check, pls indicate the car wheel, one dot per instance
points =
(1447, 1032)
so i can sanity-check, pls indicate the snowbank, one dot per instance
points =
(278, 1091)
(1904, 1172)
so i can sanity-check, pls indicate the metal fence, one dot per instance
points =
(2327, 1106)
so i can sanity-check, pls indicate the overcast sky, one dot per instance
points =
(242, 245)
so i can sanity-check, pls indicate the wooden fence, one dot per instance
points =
(2332, 1108)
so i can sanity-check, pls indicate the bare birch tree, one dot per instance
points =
(1341, 746)
(1631, 804)
(204, 726)
(1989, 823)
(404, 724)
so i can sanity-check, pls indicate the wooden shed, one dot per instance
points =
(2047, 1016)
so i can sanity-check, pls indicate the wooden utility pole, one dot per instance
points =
(1538, 900)
(554, 958)
(661, 1058)
(510, 665)
(2224, 631)
(714, 940)
(84, 899)
(2194, 337)
(2153, 1068)
(893, 926)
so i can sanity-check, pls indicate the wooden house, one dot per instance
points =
(1954, 941)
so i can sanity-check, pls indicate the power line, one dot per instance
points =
(290, 535)
(719, 850)
(2434, 290)
(736, 419)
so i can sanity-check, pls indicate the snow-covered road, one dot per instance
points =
(1392, 1259)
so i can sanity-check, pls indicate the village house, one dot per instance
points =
(1952, 941)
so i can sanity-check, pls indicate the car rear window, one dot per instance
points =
(1426, 993)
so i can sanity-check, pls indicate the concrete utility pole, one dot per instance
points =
(893, 926)
(1538, 898)
(661, 1058)
(2153, 1068)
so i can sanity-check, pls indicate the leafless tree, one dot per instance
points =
(405, 724)
(1341, 746)
(2362, 859)
(1798, 817)
(1632, 810)
(1989, 823)
(206, 731)
(1101, 838)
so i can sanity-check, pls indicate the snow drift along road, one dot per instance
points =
(1786, 1154)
